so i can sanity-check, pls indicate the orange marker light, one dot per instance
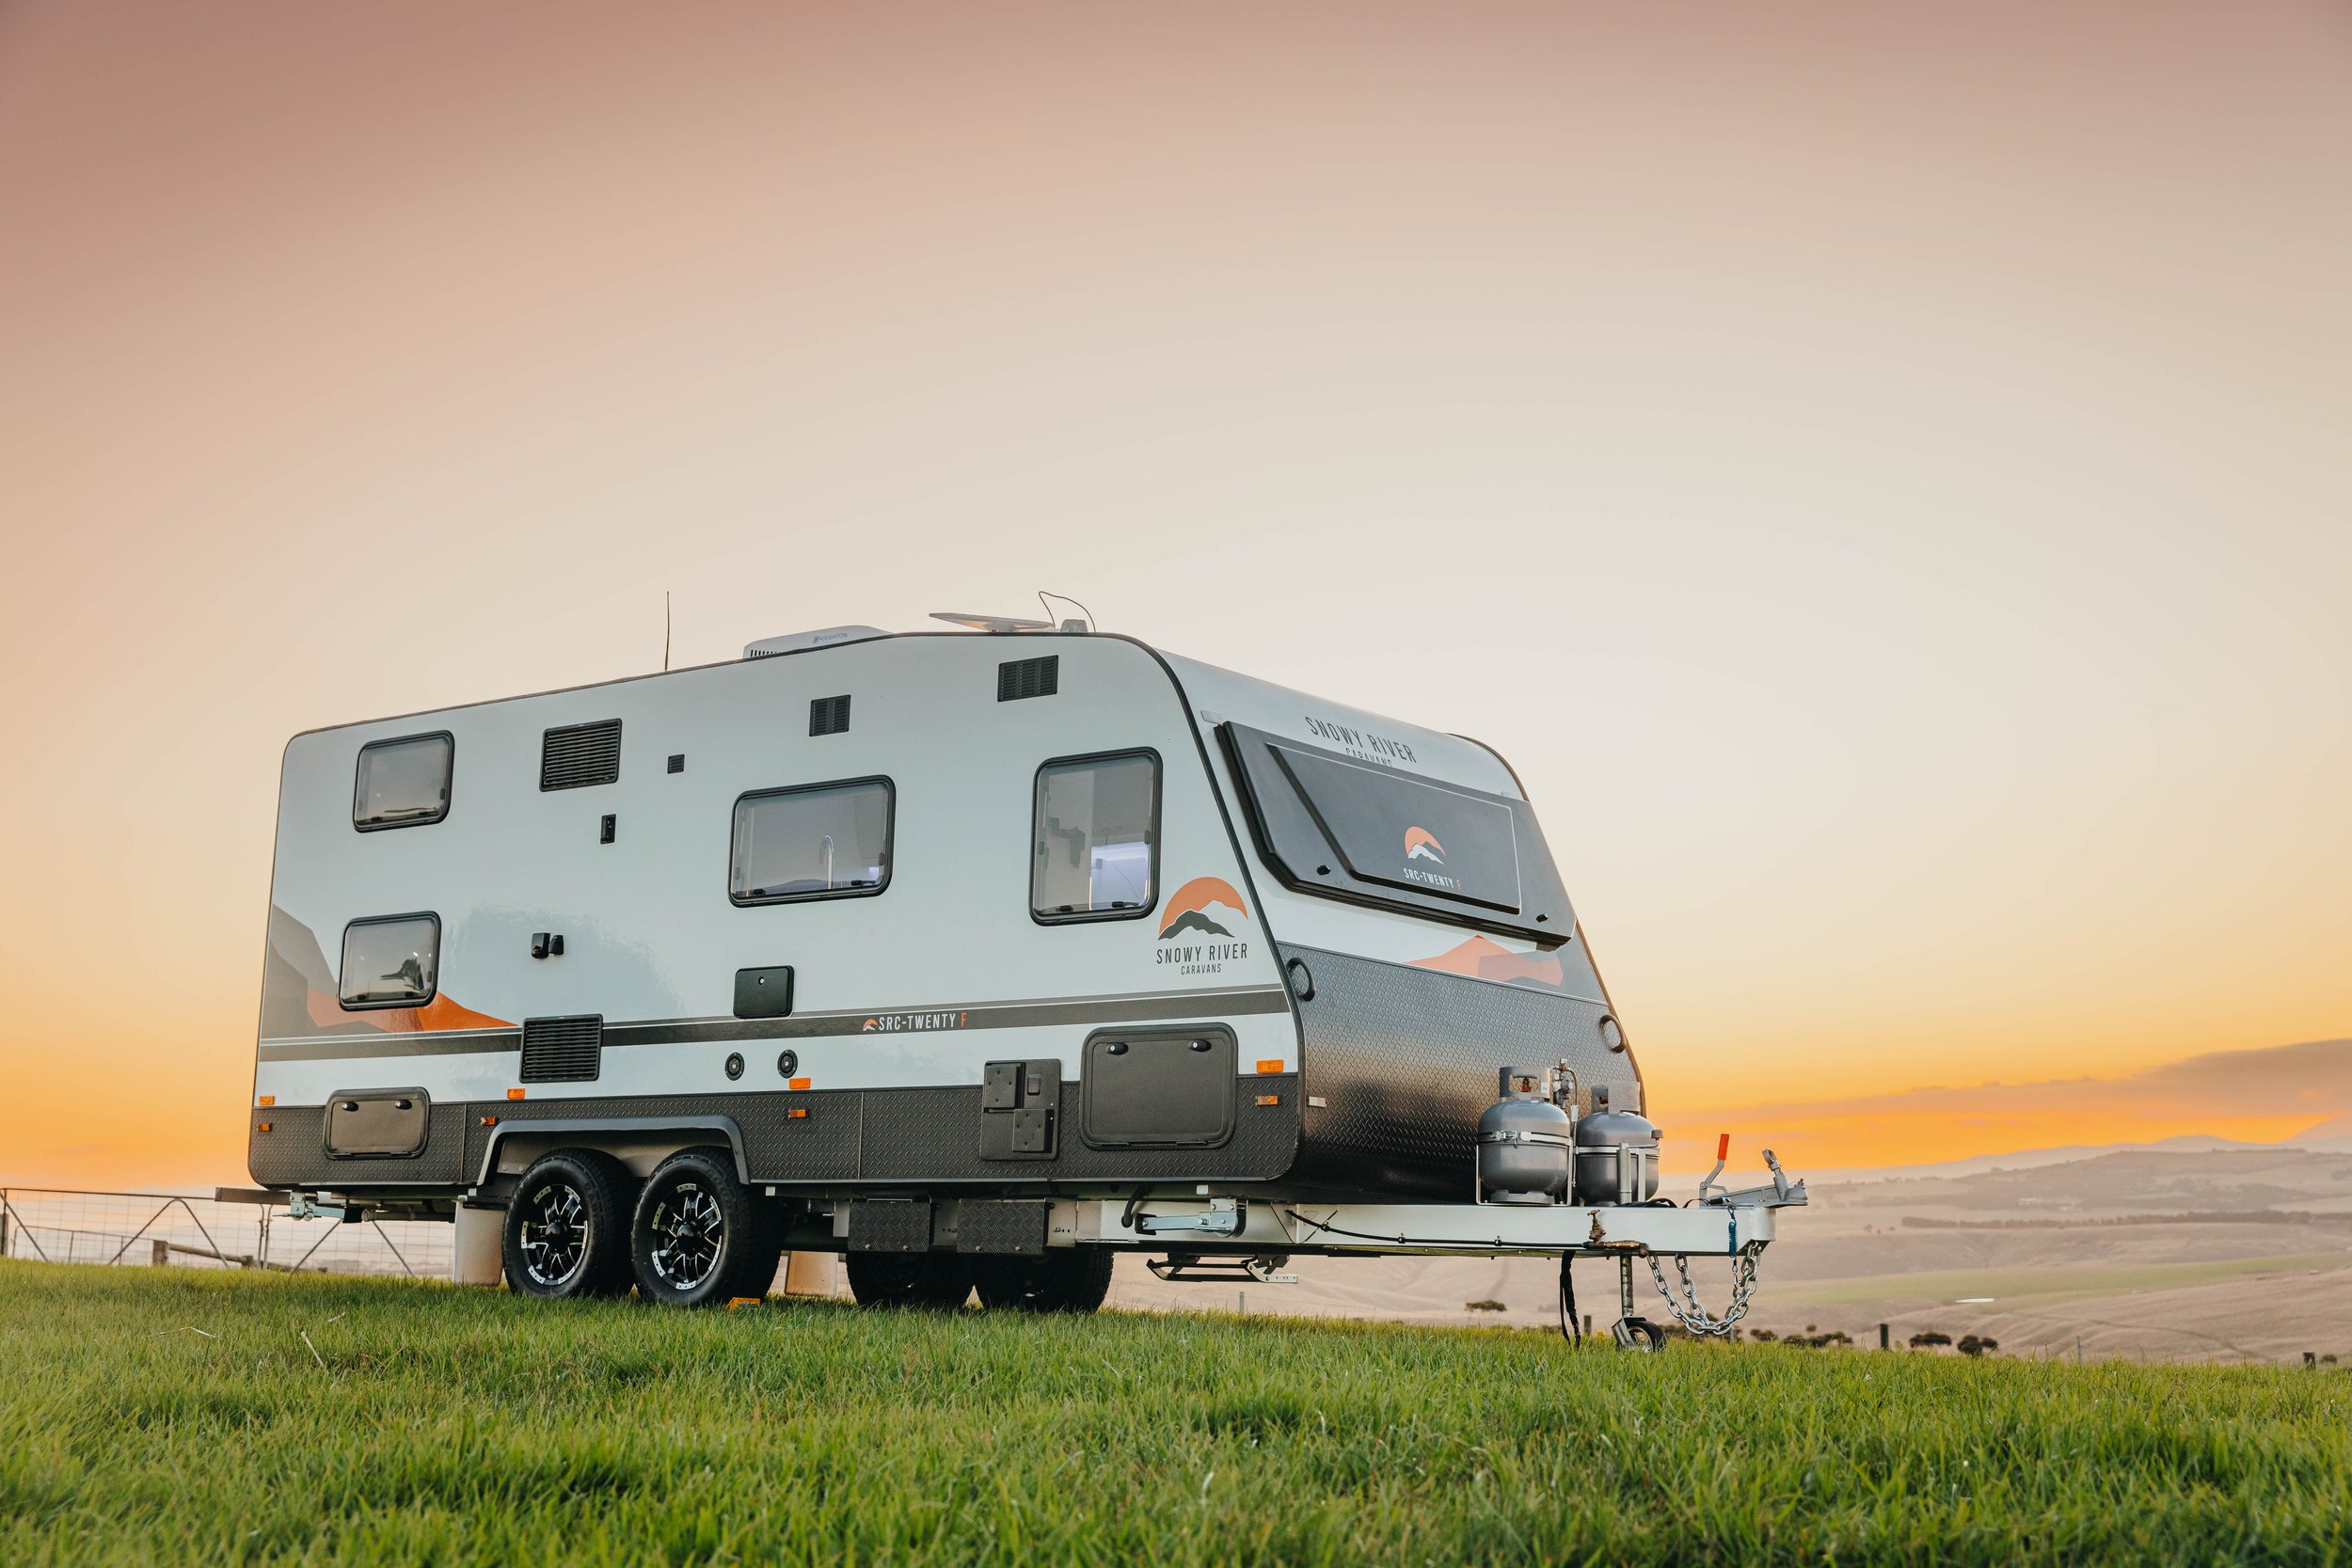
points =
(1270, 1064)
(798, 1113)
(513, 1094)
(267, 1100)
(261, 1127)
(489, 1121)
(796, 1083)
(1269, 1100)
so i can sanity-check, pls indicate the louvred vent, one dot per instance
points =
(579, 755)
(829, 715)
(563, 1050)
(1028, 677)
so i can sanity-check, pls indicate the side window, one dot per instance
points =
(403, 782)
(1094, 848)
(816, 841)
(393, 963)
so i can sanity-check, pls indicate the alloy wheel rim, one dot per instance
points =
(555, 1233)
(688, 1233)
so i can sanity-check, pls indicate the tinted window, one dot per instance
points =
(1094, 852)
(1391, 828)
(393, 963)
(815, 842)
(403, 782)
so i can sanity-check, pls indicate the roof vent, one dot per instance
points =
(799, 642)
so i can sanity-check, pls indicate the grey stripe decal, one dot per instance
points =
(1147, 1007)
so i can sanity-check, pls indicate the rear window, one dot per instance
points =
(1368, 835)
(391, 962)
(403, 782)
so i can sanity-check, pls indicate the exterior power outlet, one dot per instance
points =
(1020, 1110)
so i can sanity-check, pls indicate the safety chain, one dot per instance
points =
(1692, 1316)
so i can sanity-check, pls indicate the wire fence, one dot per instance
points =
(224, 1229)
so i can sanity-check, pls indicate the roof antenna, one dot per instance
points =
(1087, 625)
(666, 631)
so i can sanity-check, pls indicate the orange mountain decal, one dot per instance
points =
(1421, 844)
(1188, 907)
(1491, 961)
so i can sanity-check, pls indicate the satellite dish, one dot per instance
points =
(991, 622)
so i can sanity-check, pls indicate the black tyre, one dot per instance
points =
(568, 1227)
(699, 1237)
(1066, 1279)
(940, 1281)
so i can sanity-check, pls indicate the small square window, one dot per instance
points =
(1094, 853)
(391, 962)
(403, 783)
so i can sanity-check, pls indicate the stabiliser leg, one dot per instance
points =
(1632, 1333)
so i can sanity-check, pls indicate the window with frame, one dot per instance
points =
(811, 841)
(1094, 844)
(394, 962)
(403, 782)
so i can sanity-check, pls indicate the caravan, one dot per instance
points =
(978, 956)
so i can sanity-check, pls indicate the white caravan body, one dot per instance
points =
(1300, 1000)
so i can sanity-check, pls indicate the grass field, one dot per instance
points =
(426, 1424)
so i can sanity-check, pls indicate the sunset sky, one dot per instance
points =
(1880, 473)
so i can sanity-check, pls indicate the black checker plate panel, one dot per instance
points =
(919, 1134)
(1406, 1059)
(293, 1152)
(1017, 1228)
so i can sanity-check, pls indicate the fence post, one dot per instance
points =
(1882, 1345)
(4, 1227)
(162, 1253)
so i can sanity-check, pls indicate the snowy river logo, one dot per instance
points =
(1205, 907)
(1422, 844)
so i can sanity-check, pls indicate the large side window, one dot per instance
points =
(391, 962)
(403, 782)
(1095, 848)
(816, 841)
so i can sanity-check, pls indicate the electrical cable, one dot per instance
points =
(1571, 1328)
(1042, 597)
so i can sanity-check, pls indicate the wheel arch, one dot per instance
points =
(640, 1143)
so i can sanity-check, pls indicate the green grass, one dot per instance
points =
(448, 1425)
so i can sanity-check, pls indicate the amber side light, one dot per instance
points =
(267, 1100)
(798, 1113)
(1270, 1064)
(261, 1127)
(796, 1083)
(1269, 1100)
(489, 1121)
(513, 1094)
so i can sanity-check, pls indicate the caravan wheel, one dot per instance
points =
(1066, 1279)
(700, 1237)
(938, 1280)
(567, 1227)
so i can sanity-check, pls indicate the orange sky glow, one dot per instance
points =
(1878, 472)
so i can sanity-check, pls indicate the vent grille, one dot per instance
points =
(1017, 678)
(579, 755)
(563, 1050)
(829, 715)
